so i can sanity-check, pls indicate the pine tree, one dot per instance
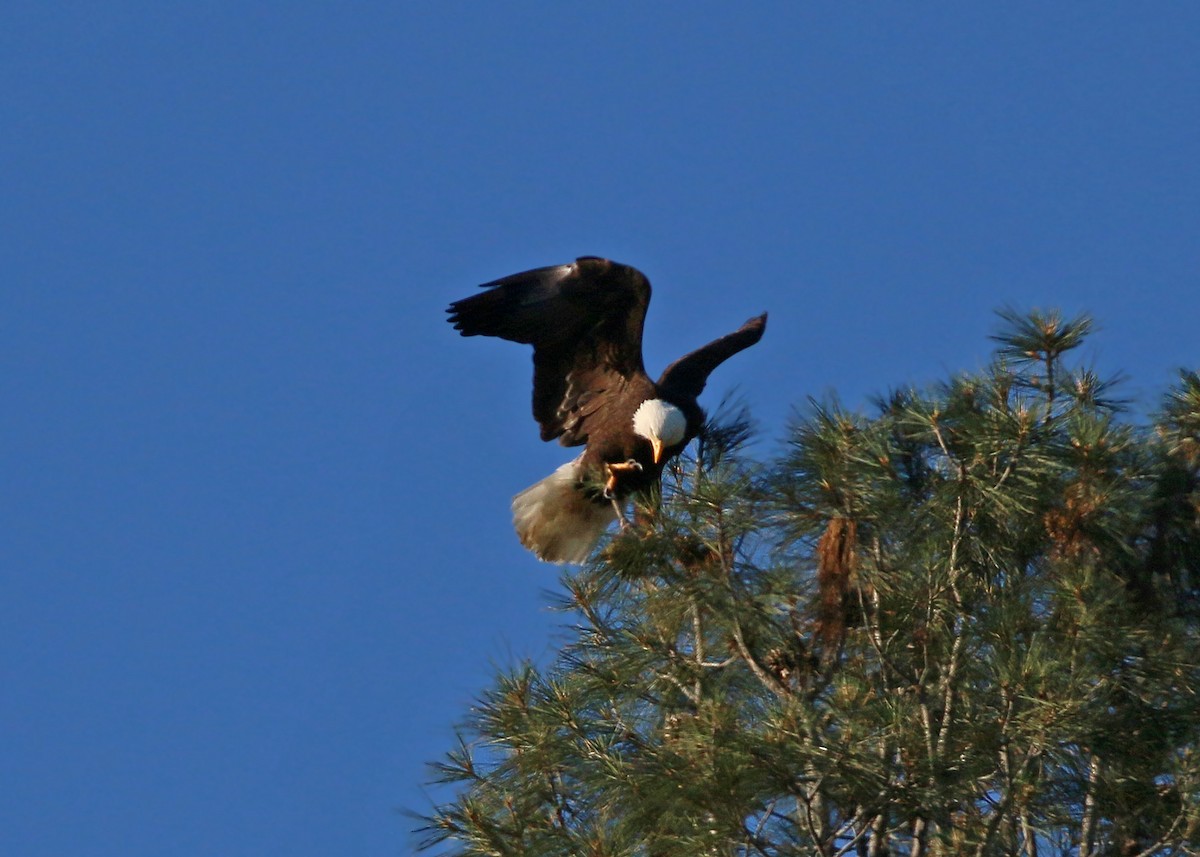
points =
(966, 622)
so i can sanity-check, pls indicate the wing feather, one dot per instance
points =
(584, 321)
(688, 375)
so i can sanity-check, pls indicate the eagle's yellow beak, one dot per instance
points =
(658, 450)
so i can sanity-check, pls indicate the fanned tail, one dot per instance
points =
(556, 521)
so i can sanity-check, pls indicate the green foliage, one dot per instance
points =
(967, 622)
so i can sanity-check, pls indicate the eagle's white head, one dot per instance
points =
(661, 423)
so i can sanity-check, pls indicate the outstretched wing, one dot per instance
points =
(688, 375)
(584, 321)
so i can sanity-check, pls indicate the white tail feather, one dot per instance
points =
(556, 521)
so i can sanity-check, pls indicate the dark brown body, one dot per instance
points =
(611, 442)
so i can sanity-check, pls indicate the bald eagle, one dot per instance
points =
(584, 321)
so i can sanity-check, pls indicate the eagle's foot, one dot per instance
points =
(615, 472)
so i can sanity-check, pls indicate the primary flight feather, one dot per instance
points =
(584, 321)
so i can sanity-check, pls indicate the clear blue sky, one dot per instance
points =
(256, 555)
